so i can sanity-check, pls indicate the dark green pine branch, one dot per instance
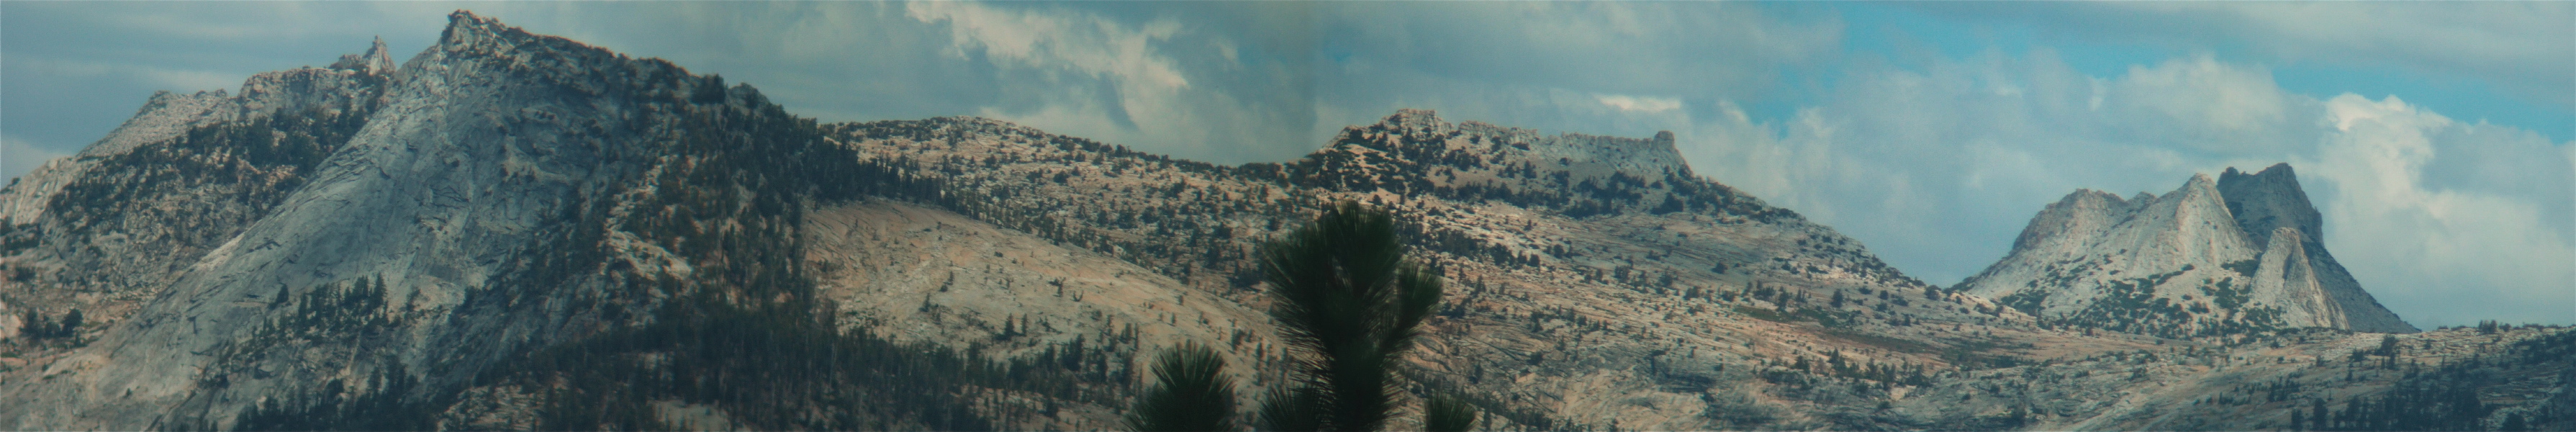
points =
(1191, 393)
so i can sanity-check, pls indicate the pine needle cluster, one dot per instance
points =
(1349, 306)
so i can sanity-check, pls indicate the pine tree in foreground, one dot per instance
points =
(1191, 393)
(1447, 414)
(1349, 307)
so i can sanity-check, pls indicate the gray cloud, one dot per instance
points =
(2458, 249)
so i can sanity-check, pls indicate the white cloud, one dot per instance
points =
(18, 157)
(1077, 42)
(2459, 254)
(1141, 82)
(1639, 104)
(2201, 93)
(1122, 80)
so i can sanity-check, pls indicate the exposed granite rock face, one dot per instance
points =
(2272, 199)
(109, 227)
(2065, 226)
(2231, 255)
(2286, 280)
(435, 180)
(162, 118)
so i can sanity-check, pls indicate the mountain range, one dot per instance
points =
(511, 230)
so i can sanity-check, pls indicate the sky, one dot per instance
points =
(2434, 137)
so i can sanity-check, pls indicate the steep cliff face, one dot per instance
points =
(2286, 279)
(2267, 201)
(2229, 255)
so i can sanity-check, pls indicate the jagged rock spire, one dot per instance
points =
(376, 60)
(2270, 199)
(465, 29)
(2271, 202)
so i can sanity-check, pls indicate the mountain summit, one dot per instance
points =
(333, 224)
(2244, 252)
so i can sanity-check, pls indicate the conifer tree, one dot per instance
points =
(71, 323)
(1191, 393)
(1447, 414)
(1348, 307)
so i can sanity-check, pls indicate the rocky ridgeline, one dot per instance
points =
(122, 218)
(193, 236)
(1414, 152)
(515, 231)
(2239, 254)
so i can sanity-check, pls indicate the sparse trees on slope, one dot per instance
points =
(38, 326)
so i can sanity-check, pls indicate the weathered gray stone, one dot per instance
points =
(2203, 247)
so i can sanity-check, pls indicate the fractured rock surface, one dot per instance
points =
(2235, 254)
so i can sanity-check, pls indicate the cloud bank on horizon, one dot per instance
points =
(2436, 138)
